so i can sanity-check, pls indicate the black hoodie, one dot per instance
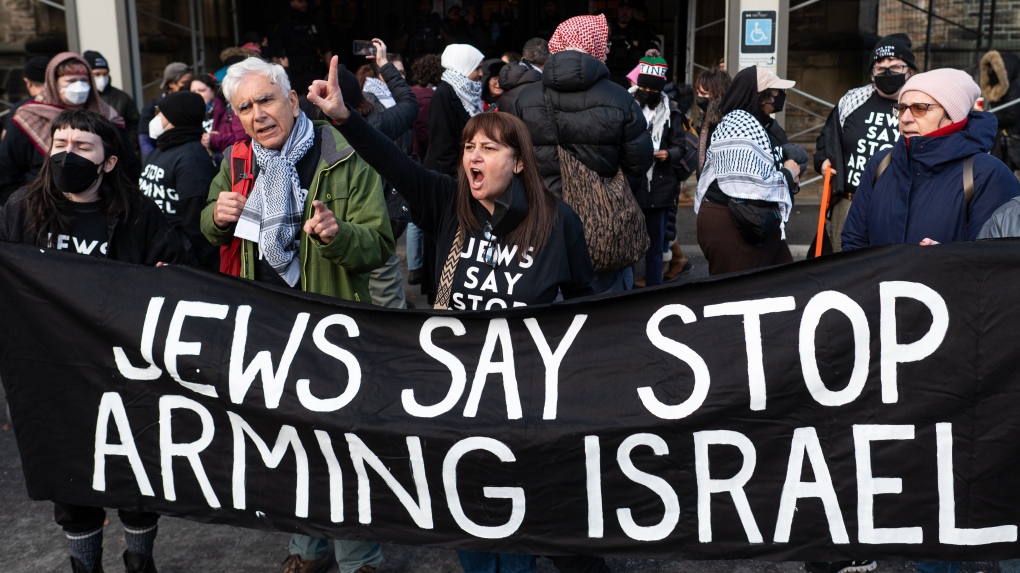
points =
(177, 178)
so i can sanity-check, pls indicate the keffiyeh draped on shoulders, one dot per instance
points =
(740, 161)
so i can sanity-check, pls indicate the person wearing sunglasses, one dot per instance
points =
(861, 125)
(937, 183)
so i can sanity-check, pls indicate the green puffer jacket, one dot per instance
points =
(353, 192)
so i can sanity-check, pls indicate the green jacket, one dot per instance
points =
(353, 192)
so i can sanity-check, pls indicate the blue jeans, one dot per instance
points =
(618, 281)
(1010, 566)
(938, 567)
(481, 562)
(350, 555)
(414, 253)
(655, 221)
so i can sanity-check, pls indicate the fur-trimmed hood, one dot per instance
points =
(998, 71)
(236, 51)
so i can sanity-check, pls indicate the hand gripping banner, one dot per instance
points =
(856, 406)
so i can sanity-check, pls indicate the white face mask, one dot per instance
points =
(102, 82)
(156, 127)
(78, 92)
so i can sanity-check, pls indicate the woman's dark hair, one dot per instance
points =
(46, 207)
(427, 70)
(506, 129)
(714, 81)
(212, 83)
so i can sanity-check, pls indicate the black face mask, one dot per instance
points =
(72, 173)
(890, 83)
(648, 99)
(702, 103)
(779, 102)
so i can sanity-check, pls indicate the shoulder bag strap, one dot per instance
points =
(552, 113)
(886, 161)
(968, 187)
(968, 180)
(449, 269)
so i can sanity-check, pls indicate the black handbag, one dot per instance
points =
(755, 220)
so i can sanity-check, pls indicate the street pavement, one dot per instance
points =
(32, 542)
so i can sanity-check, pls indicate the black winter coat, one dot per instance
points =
(143, 237)
(513, 78)
(447, 118)
(177, 179)
(395, 123)
(597, 121)
(664, 188)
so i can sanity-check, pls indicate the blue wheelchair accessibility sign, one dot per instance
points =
(758, 32)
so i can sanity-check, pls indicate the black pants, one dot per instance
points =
(580, 564)
(82, 519)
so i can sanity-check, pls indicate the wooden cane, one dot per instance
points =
(826, 192)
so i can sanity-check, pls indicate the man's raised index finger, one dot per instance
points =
(332, 72)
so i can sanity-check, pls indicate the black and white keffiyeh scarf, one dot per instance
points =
(658, 121)
(740, 160)
(469, 92)
(272, 215)
(852, 101)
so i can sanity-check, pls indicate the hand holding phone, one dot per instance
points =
(363, 48)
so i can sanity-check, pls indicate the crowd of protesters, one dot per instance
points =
(267, 172)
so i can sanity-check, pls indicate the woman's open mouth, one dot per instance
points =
(477, 178)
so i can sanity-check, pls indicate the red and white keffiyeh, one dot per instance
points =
(590, 34)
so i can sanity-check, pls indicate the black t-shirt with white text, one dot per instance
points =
(868, 130)
(88, 231)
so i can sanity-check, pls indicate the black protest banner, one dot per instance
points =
(860, 405)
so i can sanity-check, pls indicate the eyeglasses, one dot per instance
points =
(882, 70)
(769, 94)
(916, 109)
(491, 254)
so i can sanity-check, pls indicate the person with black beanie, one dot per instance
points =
(178, 172)
(117, 99)
(35, 79)
(860, 126)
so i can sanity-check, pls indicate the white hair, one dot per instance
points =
(254, 66)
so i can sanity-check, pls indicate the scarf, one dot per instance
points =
(272, 215)
(588, 34)
(657, 119)
(34, 117)
(179, 136)
(378, 88)
(853, 100)
(469, 92)
(740, 160)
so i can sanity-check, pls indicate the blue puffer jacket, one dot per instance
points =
(920, 195)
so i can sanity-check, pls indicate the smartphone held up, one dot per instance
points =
(364, 48)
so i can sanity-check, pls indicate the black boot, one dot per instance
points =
(79, 567)
(135, 563)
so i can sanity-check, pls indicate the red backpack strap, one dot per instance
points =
(241, 181)
(241, 178)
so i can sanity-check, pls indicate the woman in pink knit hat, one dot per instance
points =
(937, 183)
